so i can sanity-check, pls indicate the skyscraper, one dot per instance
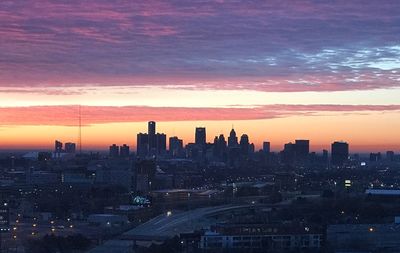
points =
(161, 140)
(340, 153)
(232, 139)
(151, 127)
(244, 144)
(266, 147)
(142, 145)
(152, 138)
(200, 136)
(175, 146)
(289, 151)
(152, 143)
(302, 149)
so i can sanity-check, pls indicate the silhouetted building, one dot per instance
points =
(114, 151)
(340, 153)
(302, 149)
(142, 145)
(151, 129)
(175, 146)
(151, 133)
(288, 153)
(70, 147)
(220, 147)
(266, 147)
(124, 151)
(161, 143)
(152, 143)
(232, 139)
(244, 144)
(58, 147)
(200, 136)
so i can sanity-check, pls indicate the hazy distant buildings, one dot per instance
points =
(124, 151)
(339, 153)
(70, 148)
(114, 151)
(58, 147)
(302, 149)
(390, 156)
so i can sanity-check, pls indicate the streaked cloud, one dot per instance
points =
(280, 46)
(69, 115)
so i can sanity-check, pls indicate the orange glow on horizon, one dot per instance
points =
(321, 130)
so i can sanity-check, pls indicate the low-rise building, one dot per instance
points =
(262, 237)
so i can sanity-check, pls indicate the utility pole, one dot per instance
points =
(80, 130)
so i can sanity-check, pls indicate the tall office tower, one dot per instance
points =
(219, 148)
(151, 127)
(58, 147)
(340, 153)
(161, 140)
(244, 144)
(302, 149)
(70, 147)
(142, 145)
(232, 139)
(266, 147)
(152, 142)
(200, 136)
(114, 151)
(289, 151)
(124, 151)
(175, 146)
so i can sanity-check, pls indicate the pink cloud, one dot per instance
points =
(68, 115)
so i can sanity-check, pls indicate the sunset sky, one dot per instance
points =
(276, 70)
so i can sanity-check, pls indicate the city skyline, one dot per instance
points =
(317, 70)
(201, 138)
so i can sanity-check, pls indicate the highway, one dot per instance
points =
(171, 224)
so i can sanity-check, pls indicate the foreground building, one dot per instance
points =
(261, 237)
(367, 237)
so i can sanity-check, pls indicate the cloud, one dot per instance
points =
(258, 45)
(69, 115)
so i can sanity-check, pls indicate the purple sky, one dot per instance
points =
(258, 45)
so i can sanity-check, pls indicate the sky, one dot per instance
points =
(276, 70)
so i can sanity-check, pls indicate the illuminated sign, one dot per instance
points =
(141, 201)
